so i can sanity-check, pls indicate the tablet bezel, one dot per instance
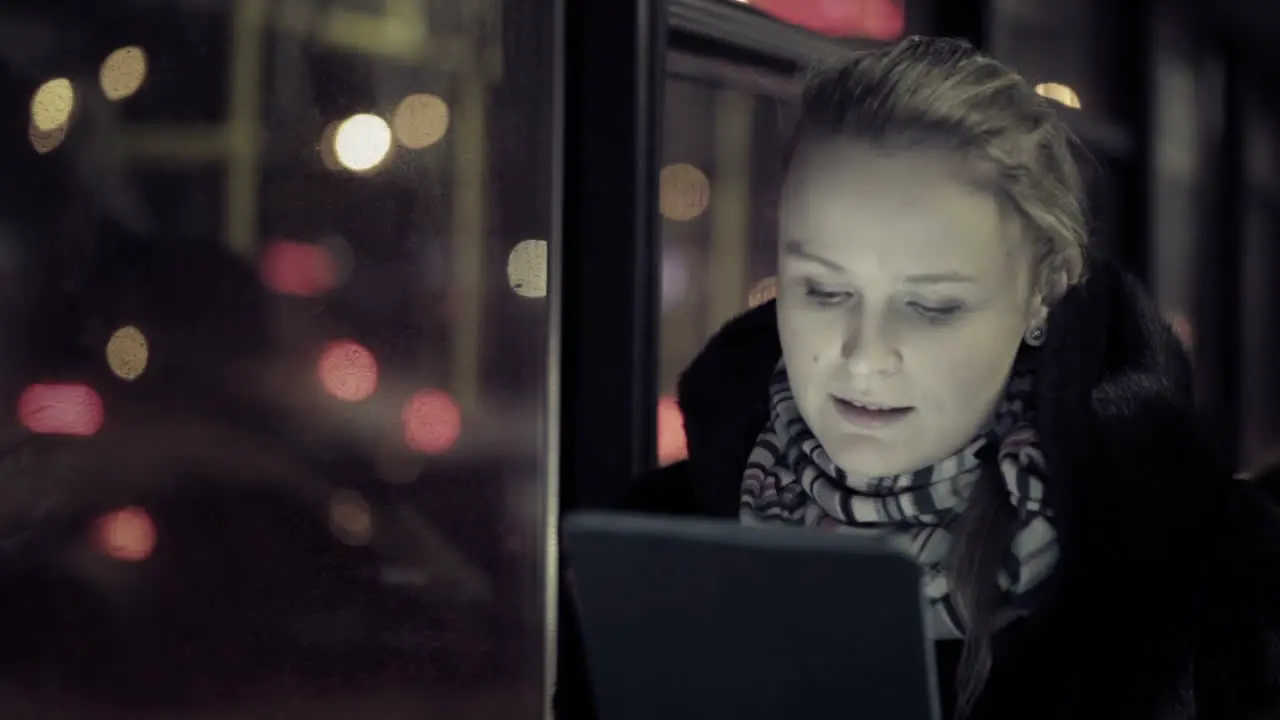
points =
(589, 536)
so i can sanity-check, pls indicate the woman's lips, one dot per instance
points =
(869, 415)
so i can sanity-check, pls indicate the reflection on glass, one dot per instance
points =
(722, 150)
(1043, 41)
(274, 331)
(870, 19)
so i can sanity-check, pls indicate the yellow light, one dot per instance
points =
(362, 142)
(127, 353)
(123, 72)
(1059, 93)
(684, 192)
(52, 105)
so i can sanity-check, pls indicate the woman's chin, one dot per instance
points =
(872, 458)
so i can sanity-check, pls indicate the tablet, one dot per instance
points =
(709, 620)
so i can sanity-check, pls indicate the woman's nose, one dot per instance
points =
(870, 350)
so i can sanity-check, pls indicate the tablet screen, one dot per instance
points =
(709, 619)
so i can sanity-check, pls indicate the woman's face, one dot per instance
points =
(903, 296)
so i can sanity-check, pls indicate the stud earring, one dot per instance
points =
(1035, 336)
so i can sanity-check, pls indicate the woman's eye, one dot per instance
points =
(824, 296)
(936, 312)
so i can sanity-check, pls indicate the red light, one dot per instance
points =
(296, 268)
(432, 421)
(348, 370)
(872, 19)
(672, 444)
(127, 534)
(61, 409)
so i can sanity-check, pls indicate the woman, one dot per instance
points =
(948, 367)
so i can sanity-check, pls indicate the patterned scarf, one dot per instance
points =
(791, 480)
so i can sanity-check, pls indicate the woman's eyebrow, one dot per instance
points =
(795, 249)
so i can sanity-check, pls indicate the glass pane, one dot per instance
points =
(1069, 47)
(1259, 309)
(723, 137)
(275, 342)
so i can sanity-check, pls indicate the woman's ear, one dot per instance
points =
(1054, 283)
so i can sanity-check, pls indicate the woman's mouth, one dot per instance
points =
(870, 415)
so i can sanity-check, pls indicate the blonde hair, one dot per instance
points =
(943, 95)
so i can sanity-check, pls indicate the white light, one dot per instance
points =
(362, 142)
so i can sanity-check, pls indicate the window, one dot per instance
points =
(1258, 298)
(275, 344)
(1070, 52)
(1069, 49)
(723, 137)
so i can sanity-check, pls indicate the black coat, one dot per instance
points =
(1166, 600)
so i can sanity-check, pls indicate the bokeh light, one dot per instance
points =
(362, 142)
(673, 446)
(127, 534)
(420, 120)
(127, 353)
(527, 268)
(1060, 93)
(297, 268)
(432, 422)
(870, 19)
(684, 192)
(348, 370)
(123, 72)
(351, 518)
(61, 409)
(52, 105)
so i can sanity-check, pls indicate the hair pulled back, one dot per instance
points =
(944, 96)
